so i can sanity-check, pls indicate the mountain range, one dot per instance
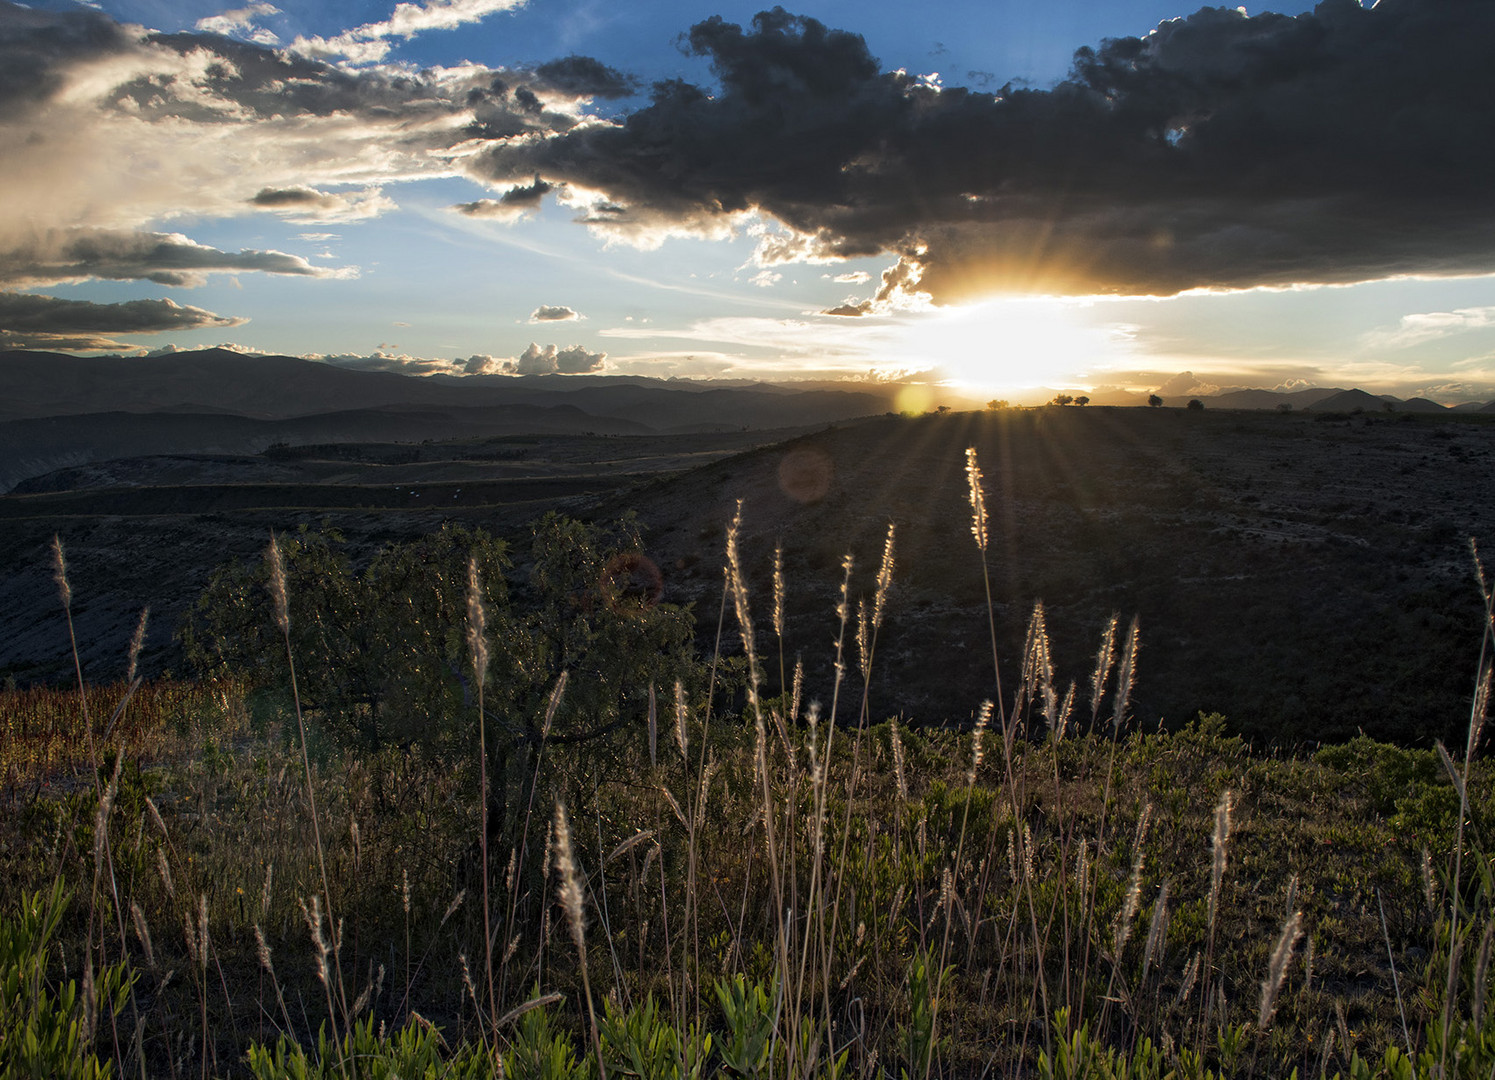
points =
(59, 411)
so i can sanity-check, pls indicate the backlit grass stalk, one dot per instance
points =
(571, 901)
(1477, 709)
(477, 645)
(868, 652)
(745, 626)
(280, 600)
(980, 530)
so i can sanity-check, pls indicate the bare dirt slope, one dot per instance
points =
(1308, 577)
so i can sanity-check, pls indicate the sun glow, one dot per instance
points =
(1016, 343)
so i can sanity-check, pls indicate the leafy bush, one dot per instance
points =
(47, 1030)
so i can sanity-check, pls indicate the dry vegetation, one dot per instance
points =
(753, 877)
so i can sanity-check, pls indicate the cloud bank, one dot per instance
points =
(45, 322)
(1220, 151)
(111, 130)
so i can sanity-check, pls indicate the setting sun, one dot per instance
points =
(1014, 344)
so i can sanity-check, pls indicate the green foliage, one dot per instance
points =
(644, 1044)
(47, 1030)
(594, 608)
(380, 653)
(413, 1053)
(749, 1012)
(1080, 1056)
(541, 1052)
(917, 1043)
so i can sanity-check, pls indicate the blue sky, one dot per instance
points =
(1221, 199)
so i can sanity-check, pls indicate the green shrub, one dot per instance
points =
(47, 1029)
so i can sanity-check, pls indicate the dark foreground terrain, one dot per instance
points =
(1308, 575)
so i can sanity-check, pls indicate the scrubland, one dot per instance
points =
(409, 821)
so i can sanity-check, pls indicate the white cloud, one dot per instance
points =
(553, 313)
(307, 205)
(1423, 327)
(240, 23)
(369, 43)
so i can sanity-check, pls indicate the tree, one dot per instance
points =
(1062, 399)
(997, 404)
(1082, 400)
(379, 654)
(1195, 405)
(1154, 401)
(382, 657)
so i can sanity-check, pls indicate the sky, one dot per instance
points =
(1001, 196)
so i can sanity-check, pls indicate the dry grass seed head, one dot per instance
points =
(978, 498)
(277, 585)
(681, 740)
(165, 872)
(1105, 660)
(553, 703)
(477, 624)
(1189, 978)
(1219, 846)
(978, 751)
(59, 572)
(137, 642)
(884, 579)
(778, 591)
(565, 866)
(451, 909)
(262, 950)
(797, 688)
(142, 931)
(899, 775)
(1131, 901)
(1157, 932)
(1126, 674)
(864, 649)
(1282, 952)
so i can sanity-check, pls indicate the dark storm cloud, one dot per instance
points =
(40, 322)
(1221, 150)
(581, 76)
(37, 47)
(165, 258)
(511, 205)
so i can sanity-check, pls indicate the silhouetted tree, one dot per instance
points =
(1062, 399)
(1195, 405)
(1154, 401)
(997, 403)
(1082, 400)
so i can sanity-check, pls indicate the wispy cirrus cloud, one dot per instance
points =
(1427, 326)
(370, 43)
